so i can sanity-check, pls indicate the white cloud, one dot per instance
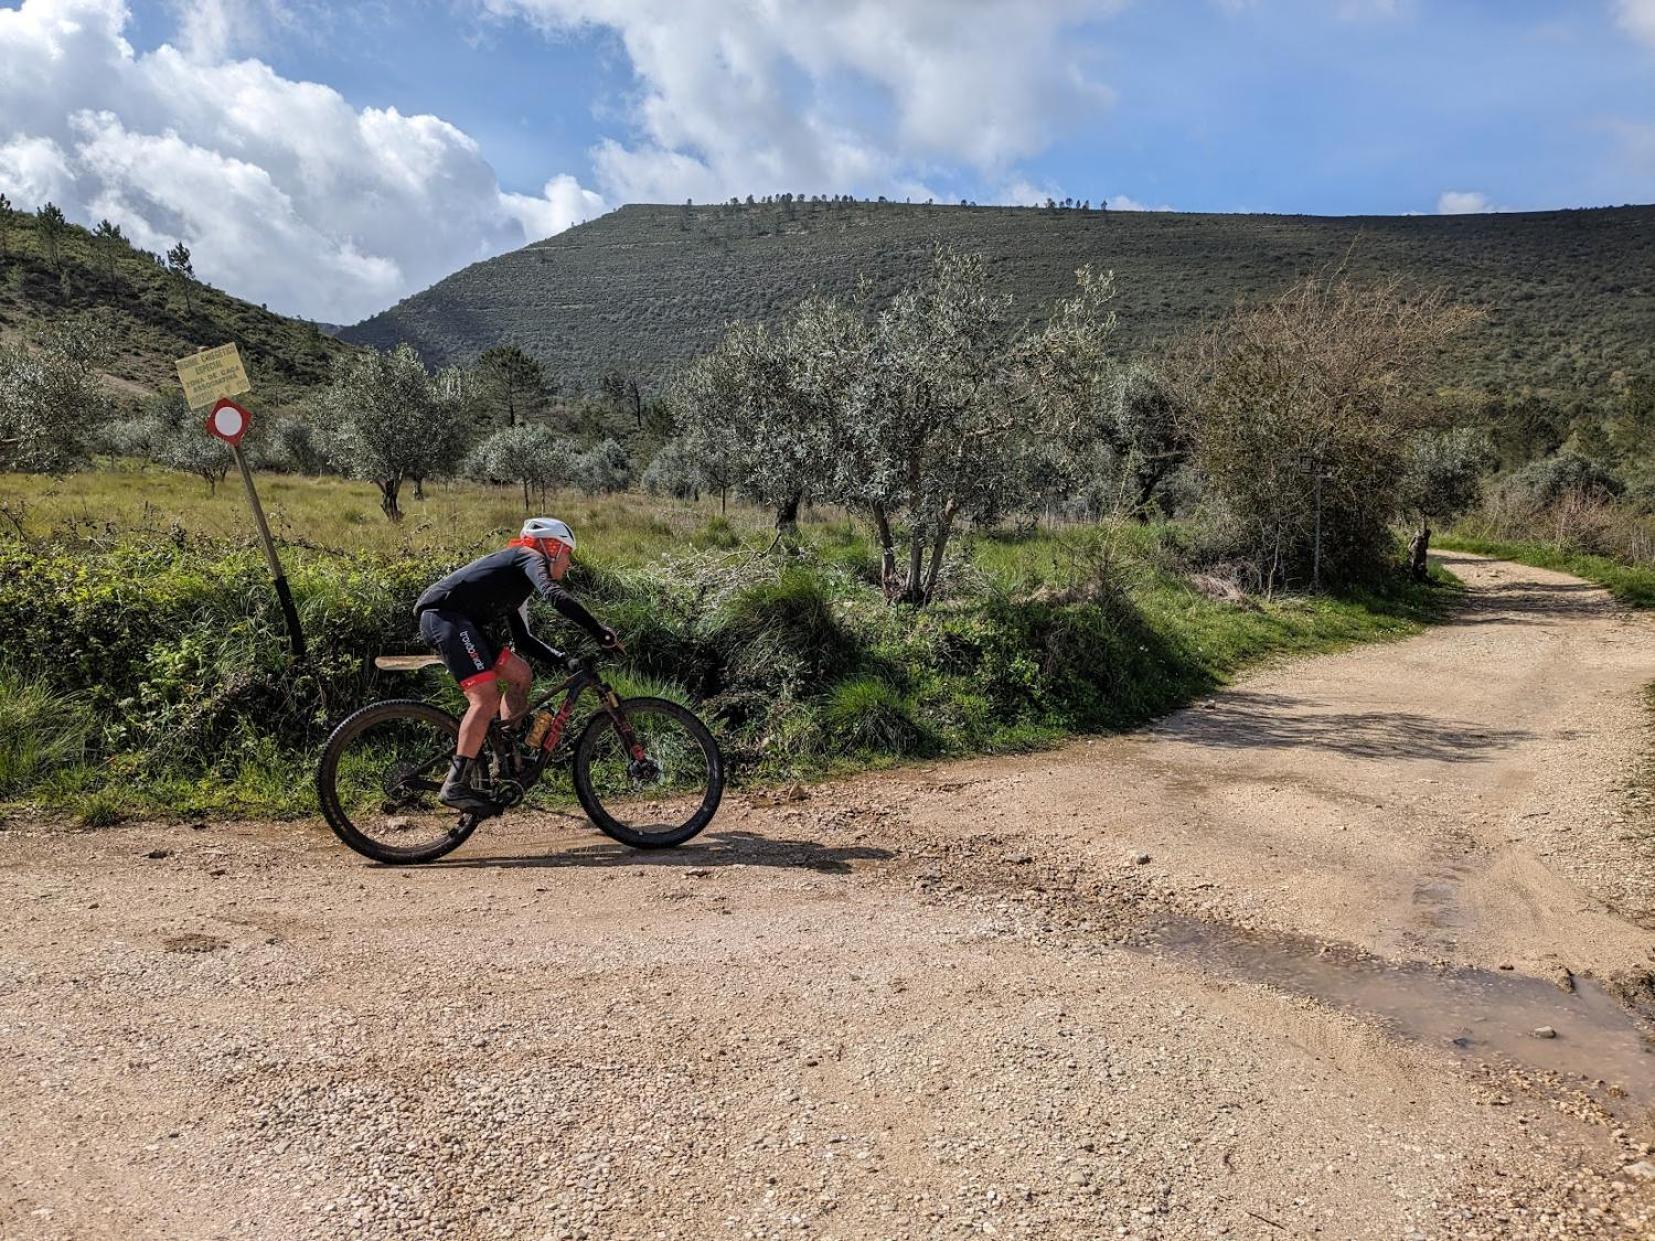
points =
(740, 97)
(563, 201)
(1638, 18)
(1463, 202)
(1122, 202)
(284, 192)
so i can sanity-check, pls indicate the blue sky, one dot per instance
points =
(360, 151)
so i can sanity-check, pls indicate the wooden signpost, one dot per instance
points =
(213, 376)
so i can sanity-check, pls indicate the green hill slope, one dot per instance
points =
(1570, 295)
(149, 325)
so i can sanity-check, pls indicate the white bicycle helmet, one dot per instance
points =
(549, 528)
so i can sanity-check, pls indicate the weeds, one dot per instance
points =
(150, 670)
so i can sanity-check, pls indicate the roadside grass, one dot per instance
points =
(159, 683)
(456, 519)
(1632, 585)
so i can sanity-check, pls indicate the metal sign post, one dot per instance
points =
(218, 373)
(229, 422)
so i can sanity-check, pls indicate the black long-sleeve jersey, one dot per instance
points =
(498, 586)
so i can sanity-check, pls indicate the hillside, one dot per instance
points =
(1570, 295)
(149, 325)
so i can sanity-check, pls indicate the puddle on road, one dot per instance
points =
(1483, 1014)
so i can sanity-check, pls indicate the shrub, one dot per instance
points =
(1298, 409)
(867, 715)
(783, 631)
(1548, 480)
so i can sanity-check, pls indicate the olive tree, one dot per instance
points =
(674, 471)
(602, 469)
(389, 424)
(1300, 410)
(51, 398)
(296, 445)
(531, 456)
(1145, 437)
(762, 409)
(178, 440)
(937, 420)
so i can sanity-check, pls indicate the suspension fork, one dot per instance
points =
(623, 726)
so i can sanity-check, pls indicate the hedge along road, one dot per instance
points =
(1241, 974)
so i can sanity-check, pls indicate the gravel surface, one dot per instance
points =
(936, 1002)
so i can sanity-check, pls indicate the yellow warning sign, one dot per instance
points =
(212, 373)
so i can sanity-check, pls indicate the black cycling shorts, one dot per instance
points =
(466, 648)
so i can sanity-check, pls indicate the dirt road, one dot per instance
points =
(1273, 968)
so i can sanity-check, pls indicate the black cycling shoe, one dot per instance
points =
(457, 791)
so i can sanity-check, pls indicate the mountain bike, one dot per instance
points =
(646, 771)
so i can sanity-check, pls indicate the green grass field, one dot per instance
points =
(336, 514)
(145, 669)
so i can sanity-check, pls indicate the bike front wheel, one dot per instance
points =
(378, 781)
(660, 791)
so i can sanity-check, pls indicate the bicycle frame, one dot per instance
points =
(572, 687)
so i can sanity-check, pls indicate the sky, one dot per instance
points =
(328, 159)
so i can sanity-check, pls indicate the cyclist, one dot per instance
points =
(456, 617)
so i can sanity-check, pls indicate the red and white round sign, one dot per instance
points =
(228, 421)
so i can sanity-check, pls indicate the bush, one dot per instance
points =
(153, 670)
(1548, 480)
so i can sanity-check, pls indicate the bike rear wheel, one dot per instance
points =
(661, 799)
(378, 780)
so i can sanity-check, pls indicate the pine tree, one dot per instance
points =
(178, 263)
(52, 224)
(110, 239)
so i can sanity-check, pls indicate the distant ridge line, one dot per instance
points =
(1570, 293)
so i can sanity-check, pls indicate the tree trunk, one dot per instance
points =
(1148, 480)
(1316, 547)
(911, 590)
(388, 489)
(1417, 566)
(525, 495)
(419, 488)
(887, 552)
(787, 523)
(945, 527)
(787, 517)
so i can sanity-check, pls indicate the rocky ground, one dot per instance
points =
(1349, 951)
